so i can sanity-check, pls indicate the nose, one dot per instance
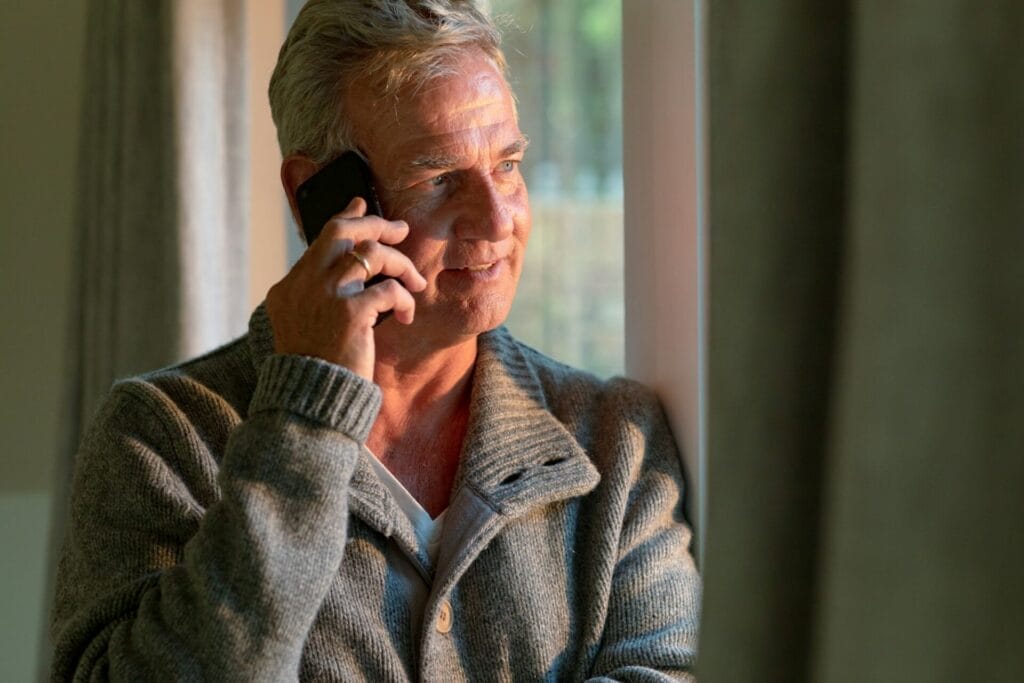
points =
(486, 213)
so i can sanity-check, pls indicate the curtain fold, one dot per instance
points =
(866, 364)
(163, 177)
(162, 244)
(777, 141)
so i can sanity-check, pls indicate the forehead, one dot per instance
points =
(472, 104)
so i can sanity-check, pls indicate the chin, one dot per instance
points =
(472, 318)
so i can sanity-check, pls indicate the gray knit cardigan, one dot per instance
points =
(226, 525)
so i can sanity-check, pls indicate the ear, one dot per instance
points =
(295, 170)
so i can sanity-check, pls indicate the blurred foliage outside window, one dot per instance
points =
(564, 60)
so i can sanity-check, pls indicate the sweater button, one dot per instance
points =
(444, 618)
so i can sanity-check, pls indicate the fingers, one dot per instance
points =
(367, 305)
(353, 223)
(350, 227)
(355, 209)
(389, 295)
(369, 259)
(389, 261)
(354, 247)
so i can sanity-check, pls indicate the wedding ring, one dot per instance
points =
(363, 262)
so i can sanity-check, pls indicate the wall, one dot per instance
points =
(41, 46)
(663, 159)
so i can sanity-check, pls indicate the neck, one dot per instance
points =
(430, 384)
(422, 422)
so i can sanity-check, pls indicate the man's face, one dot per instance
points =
(446, 161)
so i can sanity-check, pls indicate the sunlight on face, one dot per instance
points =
(446, 160)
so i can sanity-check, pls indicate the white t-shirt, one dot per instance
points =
(427, 529)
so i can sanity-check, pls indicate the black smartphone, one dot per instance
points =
(329, 191)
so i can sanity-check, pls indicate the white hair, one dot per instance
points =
(387, 43)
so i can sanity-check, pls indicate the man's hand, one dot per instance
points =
(321, 309)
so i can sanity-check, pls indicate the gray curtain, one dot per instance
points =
(162, 243)
(866, 337)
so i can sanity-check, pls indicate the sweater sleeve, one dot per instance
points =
(653, 612)
(184, 563)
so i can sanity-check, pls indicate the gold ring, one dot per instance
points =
(363, 262)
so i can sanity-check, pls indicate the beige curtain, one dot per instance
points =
(163, 177)
(162, 247)
(866, 341)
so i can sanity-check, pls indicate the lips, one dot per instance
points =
(476, 263)
(478, 268)
(479, 271)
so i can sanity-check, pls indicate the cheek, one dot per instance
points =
(423, 247)
(522, 218)
(425, 252)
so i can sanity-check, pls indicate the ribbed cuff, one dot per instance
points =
(319, 391)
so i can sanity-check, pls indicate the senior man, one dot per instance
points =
(425, 499)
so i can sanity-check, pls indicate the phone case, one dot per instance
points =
(330, 190)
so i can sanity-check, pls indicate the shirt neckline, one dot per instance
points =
(428, 529)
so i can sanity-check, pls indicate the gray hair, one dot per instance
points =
(389, 43)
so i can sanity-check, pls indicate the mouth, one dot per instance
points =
(480, 272)
(480, 267)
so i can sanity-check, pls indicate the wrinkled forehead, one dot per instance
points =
(476, 88)
(471, 91)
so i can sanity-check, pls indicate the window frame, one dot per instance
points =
(664, 159)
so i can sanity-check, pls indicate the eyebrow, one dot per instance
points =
(440, 160)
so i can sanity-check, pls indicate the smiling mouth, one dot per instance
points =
(483, 266)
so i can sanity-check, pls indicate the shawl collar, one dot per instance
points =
(516, 454)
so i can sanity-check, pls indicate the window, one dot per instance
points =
(565, 68)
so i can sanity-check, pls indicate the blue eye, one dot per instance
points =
(508, 165)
